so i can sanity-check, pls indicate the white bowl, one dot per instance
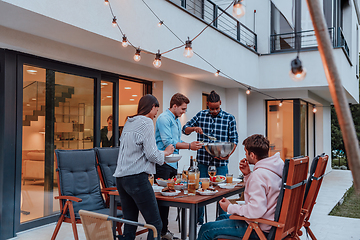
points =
(222, 177)
(226, 185)
(179, 186)
(162, 183)
(172, 158)
(207, 192)
(157, 188)
(170, 194)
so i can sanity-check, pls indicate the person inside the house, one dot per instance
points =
(167, 132)
(216, 123)
(106, 135)
(262, 188)
(138, 155)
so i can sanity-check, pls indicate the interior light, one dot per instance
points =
(125, 42)
(248, 91)
(314, 109)
(188, 49)
(34, 99)
(31, 71)
(127, 88)
(28, 104)
(217, 73)
(134, 95)
(160, 23)
(297, 72)
(114, 22)
(137, 56)
(238, 9)
(104, 83)
(106, 2)
(132, 99)
(109, 96)
(157, 61)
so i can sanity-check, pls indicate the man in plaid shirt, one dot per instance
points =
(216, 123)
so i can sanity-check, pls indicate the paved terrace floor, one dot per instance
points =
(325, 227)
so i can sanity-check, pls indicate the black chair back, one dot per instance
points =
(107, 158)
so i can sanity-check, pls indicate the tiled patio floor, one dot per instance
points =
(325, 227)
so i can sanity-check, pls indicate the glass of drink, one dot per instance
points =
(205, 182)
(229, 177)
(191, 187)
(151, 179)
(185, 172)
(212, 172)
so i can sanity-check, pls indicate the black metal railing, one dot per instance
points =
(286, 41)
(226, 23)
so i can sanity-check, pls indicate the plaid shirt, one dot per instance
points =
(223, 127)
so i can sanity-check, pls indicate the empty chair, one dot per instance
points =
(79, 187)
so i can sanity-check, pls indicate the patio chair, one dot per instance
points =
(79, 187)
(288, 208)
(107, 161)
(99, 226)
(317, 171)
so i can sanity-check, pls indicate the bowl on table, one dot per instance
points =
(217, 179)
(162, 182)
(219, 149)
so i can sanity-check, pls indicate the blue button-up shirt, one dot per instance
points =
(168, 131)
(222, 126)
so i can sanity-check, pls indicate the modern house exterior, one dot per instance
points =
(63, 72)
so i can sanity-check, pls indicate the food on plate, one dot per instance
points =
(208, 190)
(217, 179)
(168, 189)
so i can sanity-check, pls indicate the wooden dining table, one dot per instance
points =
(184, 202)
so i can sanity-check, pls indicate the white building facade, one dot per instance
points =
(73, 47)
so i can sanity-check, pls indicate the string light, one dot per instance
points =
(217, 73)
(160, 23)
(188, 49)
(157, 61)
(106, 2)
(238, 9)
(281, 103)
(248, 91)
(114, 22)
(125, 42)
(297, 72)
(137, 56)
(314, 109)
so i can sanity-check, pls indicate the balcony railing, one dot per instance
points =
(286, 41)
(227, 24)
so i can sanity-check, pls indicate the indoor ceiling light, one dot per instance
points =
(34, 99)
(31, 71)
(104, 83)
(132, 99)
(109, 96)
(127, 88)
(134, 95)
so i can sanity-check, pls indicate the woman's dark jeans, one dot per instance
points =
(136, 194)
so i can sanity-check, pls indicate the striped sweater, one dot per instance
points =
(138, 152)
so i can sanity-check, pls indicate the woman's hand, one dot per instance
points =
(169, 150)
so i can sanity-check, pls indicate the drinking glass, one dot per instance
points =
(151, 179)
(185, 173)
(229, 177)
(205, 183)
(212, 172)
(191, 187)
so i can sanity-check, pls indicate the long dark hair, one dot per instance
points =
(146, 103)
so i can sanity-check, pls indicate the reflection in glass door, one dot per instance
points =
(58, 111)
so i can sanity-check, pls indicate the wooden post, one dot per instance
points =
(336, 90)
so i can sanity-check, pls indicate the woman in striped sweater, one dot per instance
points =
(138, 155)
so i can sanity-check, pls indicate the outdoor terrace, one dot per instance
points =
(325, 227)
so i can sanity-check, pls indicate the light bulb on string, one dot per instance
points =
(297, 72)
(106, 2)
(314, 109)
(217, 73)
(137, 56)
(280, 103)
(238, 9)
(248, 91)
(157, 61)
(160, 23)
(114, 22)
(188, 49)
(124, 43)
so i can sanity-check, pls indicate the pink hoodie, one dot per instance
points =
(262, 188)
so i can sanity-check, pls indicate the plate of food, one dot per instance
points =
(169, 192)
(172, 158)
(206, 192)
(227, 185)
(217, 179)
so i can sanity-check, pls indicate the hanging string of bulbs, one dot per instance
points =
(238, 12)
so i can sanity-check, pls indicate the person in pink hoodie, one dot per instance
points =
(262, 188)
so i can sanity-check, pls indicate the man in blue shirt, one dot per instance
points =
(216, 123)
(168, 131)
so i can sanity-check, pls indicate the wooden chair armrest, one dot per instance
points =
(258, 220)
(107, 190)
(75, 199)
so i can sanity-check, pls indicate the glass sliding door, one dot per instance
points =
(58, 113)
(106, 118)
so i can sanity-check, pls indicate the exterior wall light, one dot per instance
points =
(238, 9)
(297, 72)
(188, 49)
(157, 61)
(124, 43)
(137, 56)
